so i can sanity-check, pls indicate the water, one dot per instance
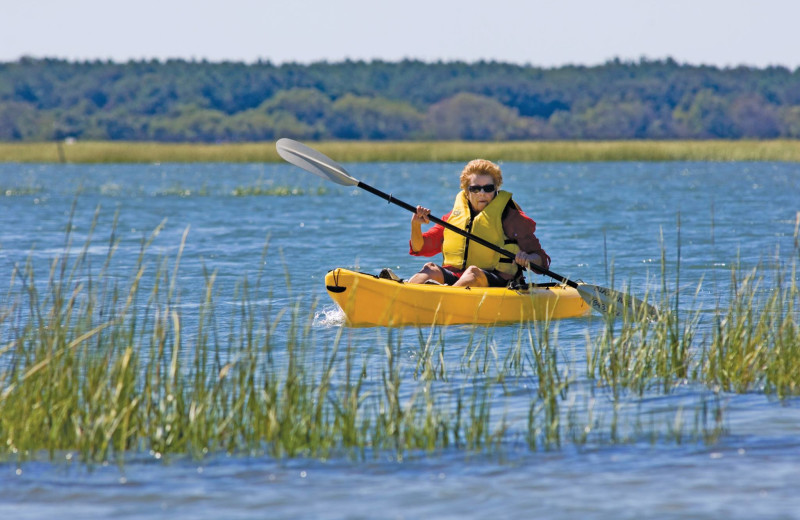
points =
(597, 222)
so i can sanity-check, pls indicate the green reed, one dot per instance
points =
(755, 345)
(275, 191)
(101, 369)
(103, 366)
(392, 151)
(20, 191)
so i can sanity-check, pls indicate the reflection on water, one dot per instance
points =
(606, 224)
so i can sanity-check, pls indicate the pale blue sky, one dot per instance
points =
(543, 33)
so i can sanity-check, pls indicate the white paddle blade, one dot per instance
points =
(313, 162)
(609, 301)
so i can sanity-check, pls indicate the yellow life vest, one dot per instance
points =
(461, 253)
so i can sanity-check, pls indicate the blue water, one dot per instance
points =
(605, 223)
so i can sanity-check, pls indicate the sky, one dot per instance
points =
(544, 33)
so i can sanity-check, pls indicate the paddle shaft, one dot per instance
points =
(389, 198)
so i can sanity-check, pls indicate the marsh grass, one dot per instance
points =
(20, 191)
(752, 345)
(755, 345)
(177, 190)
(275, 191)
(260, 189)
(92, 367)
(104, 367)
(396, 151)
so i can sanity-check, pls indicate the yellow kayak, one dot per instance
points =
(368, 300)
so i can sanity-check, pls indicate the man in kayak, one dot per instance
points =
(484, 210)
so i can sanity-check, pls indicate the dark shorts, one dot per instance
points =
(451, 276)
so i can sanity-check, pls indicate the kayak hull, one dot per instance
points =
(368, 301)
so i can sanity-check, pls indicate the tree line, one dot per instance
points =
(200, 101)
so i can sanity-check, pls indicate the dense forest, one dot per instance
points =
(199, 101)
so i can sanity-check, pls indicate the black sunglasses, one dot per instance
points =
(488, 188)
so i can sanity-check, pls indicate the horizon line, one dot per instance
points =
(616, 60)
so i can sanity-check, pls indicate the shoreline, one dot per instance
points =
(99, 152)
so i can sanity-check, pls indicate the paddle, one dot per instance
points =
(312, 161)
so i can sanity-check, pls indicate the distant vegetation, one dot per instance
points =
(400, 151)
(189, 101)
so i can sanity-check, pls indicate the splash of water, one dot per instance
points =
(329, 316)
